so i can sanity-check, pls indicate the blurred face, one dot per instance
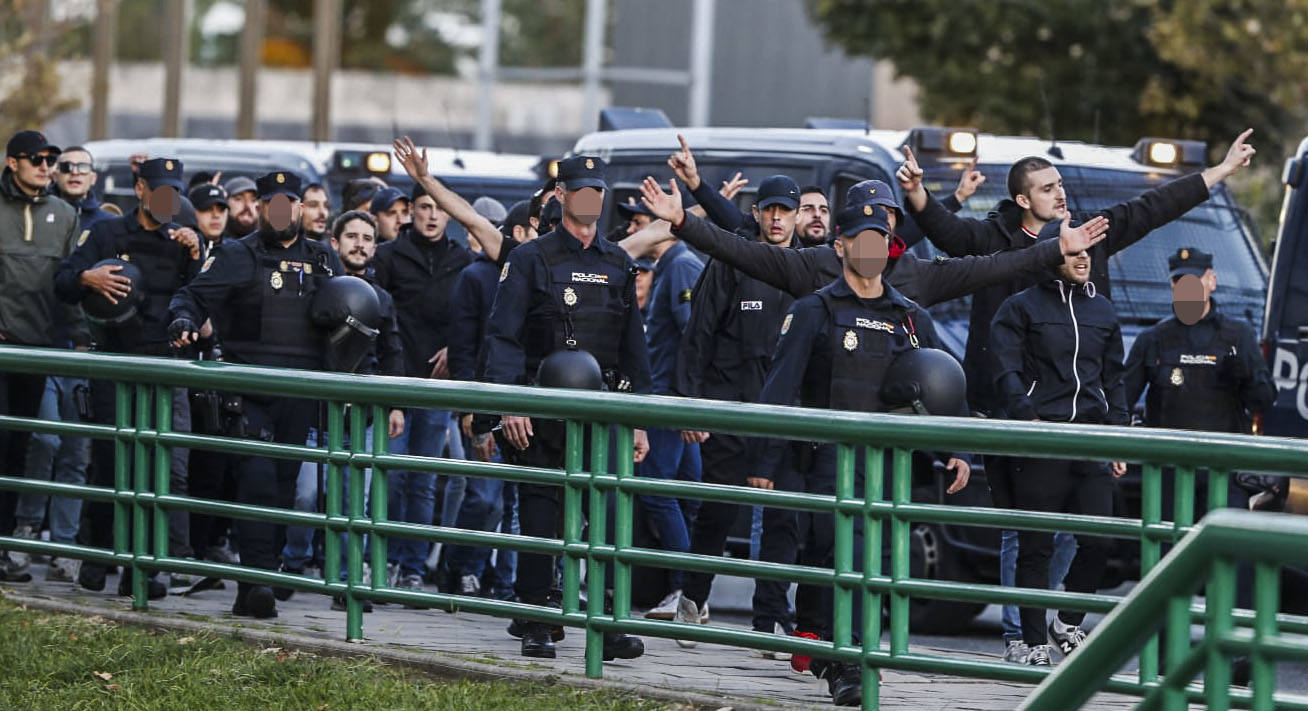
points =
(390, 220)
(1044, 197)
(814, 221)
(32, 172)
(211, 221)
(281, 215)
(644, 282)
(776, 223)
(583, 206)
(356, 245)
(243, 212)
(74, 175)
(313, 211)
(1075, 268)
(161, 204)
(638, 223)
(1190, 296)
(429, 220)
(866, 253)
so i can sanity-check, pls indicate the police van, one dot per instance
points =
(1095, 177)
(472, 174)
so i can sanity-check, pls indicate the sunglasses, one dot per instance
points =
(71, 167)
(49, 159)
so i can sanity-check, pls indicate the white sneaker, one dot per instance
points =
(688, 612)
(704, 614)
(62, 570)
(778, 656)
(1016, 651)
(1039, 656)
(19, 561)
(667, 609)
(469, 586)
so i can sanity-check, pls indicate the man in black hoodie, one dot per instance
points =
(1058, 346)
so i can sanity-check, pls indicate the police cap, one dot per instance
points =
(281, 182)
(778, 190)
(158, 172)
(873, 192)
(1189, 260)
(856, 218)
(579, 172)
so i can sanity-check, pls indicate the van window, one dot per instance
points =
(1292, 251)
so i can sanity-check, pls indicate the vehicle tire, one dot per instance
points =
(932, 558)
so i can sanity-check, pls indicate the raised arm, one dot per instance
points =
(479, 228)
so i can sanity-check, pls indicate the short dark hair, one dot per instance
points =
(349, 216)
(811, 189)
(79, 149)
(1017, 182)
(199, 178)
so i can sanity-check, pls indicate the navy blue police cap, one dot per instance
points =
(158, 172)
(281, 182)
(579, 172)
(856, 218)
(874, 192)
(1189, 260)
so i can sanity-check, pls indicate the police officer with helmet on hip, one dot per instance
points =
(124, 272)
(569, 290)
(259, 290)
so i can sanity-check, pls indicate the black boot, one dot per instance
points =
(91, 576)
(154, 589)
(1241, 671)
(536, 641)
(844, 683)
(255, 601)
(622, 646)
(284, 594)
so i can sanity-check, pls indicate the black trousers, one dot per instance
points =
(1059, 486)
(724, 460)
(783, 531)
(20, 396)
(213, 477)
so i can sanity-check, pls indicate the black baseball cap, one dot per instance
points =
(630, 210)
(206, 196)
(519, 214)
(582, 172)
(384, 198)
(29, 143)
(778, 190)
(158, 172)
(1189, 260)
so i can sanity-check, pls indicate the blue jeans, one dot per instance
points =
(411, 496)
(455, 486)
(667, 452)
(66, 458)
(1064, 552)
(298, 552)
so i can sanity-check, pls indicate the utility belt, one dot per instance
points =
(223, 414)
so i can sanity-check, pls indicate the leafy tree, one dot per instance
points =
(26, 49)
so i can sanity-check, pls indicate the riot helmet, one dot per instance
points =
(568, 368)
(927, 380)
(100, 310)
(348, 307)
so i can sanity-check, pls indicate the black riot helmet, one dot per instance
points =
(348, 307)
(570, 369)
(100, 310)
(928, 380)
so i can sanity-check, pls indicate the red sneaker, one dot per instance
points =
(800, 662)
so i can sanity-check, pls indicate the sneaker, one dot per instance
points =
(62, 570)
(469, 586)
(1038, 656)
(704, 614)
(1015, 651)
(688, 612)
(179, 580)
(800, 663)
(411, 581)
(16, 563)
(777, 656)
(667, 609)
(1067, 641)
(844, 683)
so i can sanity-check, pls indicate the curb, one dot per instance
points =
(437, 664)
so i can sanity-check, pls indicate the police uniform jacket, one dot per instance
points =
(1208, 376)
(1002, 230)
(420, 274)
(926, 282)
(165, 264)
(670, 296)
(259, 295)
(474, 291)
(1059, 350)
(554, 274)
(834, 350)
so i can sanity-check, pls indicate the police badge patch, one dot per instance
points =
(275, 280)
(785, 324)
(1177, 377)
(851, 340)
(208, 263)
(81, 239)
(504, 273)
(569, 295)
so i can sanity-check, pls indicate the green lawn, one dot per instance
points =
(61, 662)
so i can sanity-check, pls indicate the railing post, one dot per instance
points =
(900, 531)
(1177, 643)
(622, 528)
(874, 466)
(357, 422)
(1218, 602)
(1267, 599)
(122, 467)
(163, 466)
(1151, 514)
(141, 478)
(572, 459)
(331, 564)
(843, 549)
(378, 502)
(599, 464)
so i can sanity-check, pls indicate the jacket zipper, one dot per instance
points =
(27, 223)
(1032, 388)
(1076, 352)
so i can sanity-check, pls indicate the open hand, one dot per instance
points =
(413, 160)
(1075, 240)
(107, 281)
(665, 206)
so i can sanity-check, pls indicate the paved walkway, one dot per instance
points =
(465, 643)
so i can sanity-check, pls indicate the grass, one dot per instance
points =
(72, 663)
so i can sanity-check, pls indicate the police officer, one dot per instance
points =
(569, 289)
(166, 257)
(834, 351)
(259, 290)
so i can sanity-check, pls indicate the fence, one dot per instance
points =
(143, 415)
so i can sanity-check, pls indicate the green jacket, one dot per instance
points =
(36, 234)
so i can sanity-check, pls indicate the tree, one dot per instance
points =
(25, 51)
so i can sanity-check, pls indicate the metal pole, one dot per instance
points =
(175, 47)
(251, 51)
(326, 53)
(701, 62)
(591, 60)
(106, 28)
(490, 64)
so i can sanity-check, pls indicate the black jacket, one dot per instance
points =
(802, 271)
(420, 275)
(386, 357)
(1002, 230)
(1059, 354)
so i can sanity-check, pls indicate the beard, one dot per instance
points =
(268, 234)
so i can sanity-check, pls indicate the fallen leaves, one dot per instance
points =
(103, 676)
(186, 640)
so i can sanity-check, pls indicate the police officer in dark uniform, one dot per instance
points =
(569, 289)
(133, 318)
(259, 290)
(835, 349)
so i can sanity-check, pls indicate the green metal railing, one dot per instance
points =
(142, 427)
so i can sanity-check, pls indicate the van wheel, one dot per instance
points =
(931, 558)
